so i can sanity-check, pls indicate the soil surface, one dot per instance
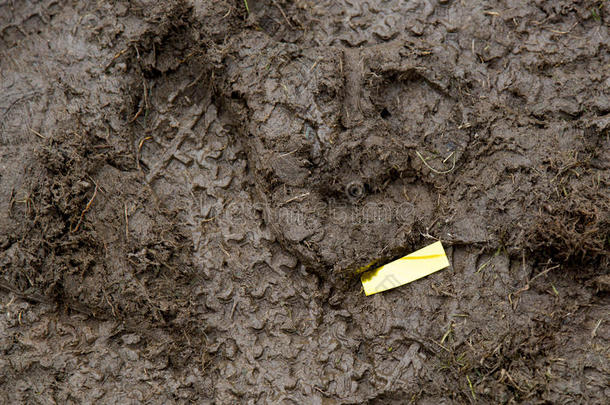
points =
(189, 191)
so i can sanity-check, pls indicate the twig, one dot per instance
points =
(504, 373)
(542, 273)
(109, 303)
(11, 200)
(282, 11)
(38, 134)
(144, 103)
(116, 56)
(28, 297)
(141, 143)
(433, 169)
(82, 215)
(594, 332)
(474, 396)
(527, 285)
(234, 308)
(287, 153)
(489, 261)
(296, 198)
(566, 168)
(126, 222)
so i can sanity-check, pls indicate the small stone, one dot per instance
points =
(130, 339)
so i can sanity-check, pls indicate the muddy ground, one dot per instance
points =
(189, 191)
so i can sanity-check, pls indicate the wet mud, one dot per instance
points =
(189, 191)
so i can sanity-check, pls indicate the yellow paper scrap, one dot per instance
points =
(414, 266)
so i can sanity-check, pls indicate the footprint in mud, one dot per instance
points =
(338, 140)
